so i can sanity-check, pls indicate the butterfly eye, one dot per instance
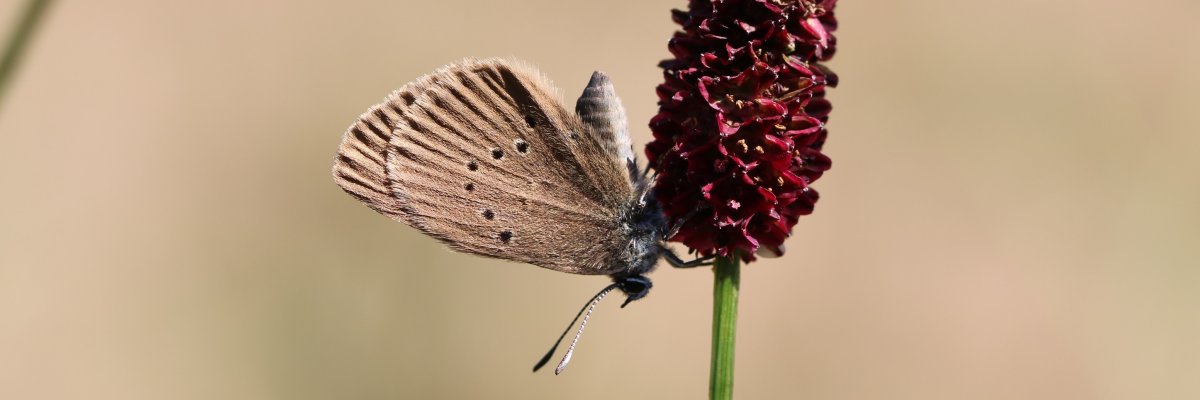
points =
(522, 147)
(497, 154)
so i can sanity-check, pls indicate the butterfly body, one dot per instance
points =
(643, 226)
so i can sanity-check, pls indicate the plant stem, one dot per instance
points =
(18, 39)
(725, 298)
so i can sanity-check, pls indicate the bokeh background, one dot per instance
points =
(1013, 212)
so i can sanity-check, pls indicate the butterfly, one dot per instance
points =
(483, 156)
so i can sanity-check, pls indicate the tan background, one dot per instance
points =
(1012, 214)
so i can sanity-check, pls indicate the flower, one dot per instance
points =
(741, 121)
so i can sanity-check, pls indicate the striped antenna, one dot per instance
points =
(591, 305)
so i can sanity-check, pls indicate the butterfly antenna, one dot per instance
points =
(591, 305)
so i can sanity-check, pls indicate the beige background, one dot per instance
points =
(1012, 214)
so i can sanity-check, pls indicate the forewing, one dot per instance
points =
(488, 160)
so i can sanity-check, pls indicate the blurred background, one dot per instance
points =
(1013, 212)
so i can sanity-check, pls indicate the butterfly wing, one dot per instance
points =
(484, 157)
(360, 167)
(601, 109)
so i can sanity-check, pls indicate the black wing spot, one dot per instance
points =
(531, 121)
(489, 215)
(469, 186)
(472, 165)
(522, 147)
(497, 153)
(505, 236)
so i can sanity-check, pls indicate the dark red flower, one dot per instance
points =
(741, 121)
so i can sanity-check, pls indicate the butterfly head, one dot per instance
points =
(635, 287)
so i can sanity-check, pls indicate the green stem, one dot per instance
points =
(17, 41)
(725, 299)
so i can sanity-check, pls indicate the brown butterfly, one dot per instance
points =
(484, 156)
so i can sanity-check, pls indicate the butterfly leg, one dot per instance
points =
(678, 262)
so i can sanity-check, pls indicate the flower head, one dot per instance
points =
(741, 121)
